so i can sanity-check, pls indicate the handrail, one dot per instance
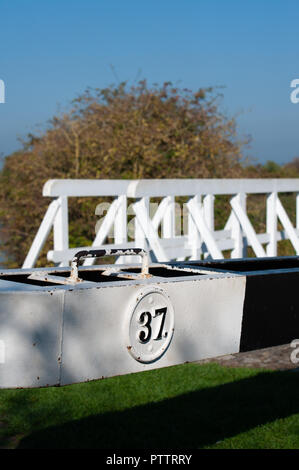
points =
(199, 237)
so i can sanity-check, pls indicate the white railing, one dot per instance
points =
(160, 232)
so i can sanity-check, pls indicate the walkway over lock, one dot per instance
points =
(158, 231)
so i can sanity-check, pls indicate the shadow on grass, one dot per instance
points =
(192, 420)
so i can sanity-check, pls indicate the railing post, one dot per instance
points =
(286, 223)
(271, 224)
(144, 224)
(240, 249)
(42, 235)
(168, 221)
(61, 228)
(120, 226)
(140, 240)
(208, 207)
(194, 238)
(197, 212)
(297, 211)
(139, 237)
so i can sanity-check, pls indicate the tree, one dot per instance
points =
(293, 167)
(116, 132)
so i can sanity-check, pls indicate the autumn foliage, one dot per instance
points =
(117, 132)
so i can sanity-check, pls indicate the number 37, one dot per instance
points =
(145, 319)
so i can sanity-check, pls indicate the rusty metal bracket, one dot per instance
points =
(74, 276)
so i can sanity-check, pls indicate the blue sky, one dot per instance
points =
(51, 51)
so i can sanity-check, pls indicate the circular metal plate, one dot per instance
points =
(151, 326)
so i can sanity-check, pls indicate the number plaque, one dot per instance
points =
(151, 326)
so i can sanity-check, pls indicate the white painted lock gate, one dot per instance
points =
(60, 326)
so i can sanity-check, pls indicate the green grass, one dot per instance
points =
(188, 406)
